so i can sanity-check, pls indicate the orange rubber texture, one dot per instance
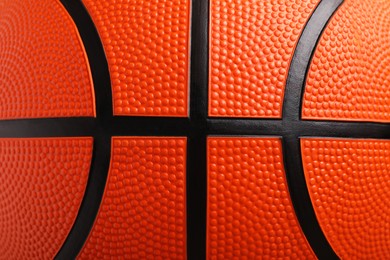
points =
(349, 185)
(42, 185)
(249, 211)
(143, 212)
(147, 47)
(44, 71)
(251, 46)
(349, 76)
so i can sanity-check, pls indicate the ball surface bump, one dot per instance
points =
(194, 129)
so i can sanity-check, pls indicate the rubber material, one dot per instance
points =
(43, 181)
(251, 46)
(250, 213)
(147, 48)
(40, 47)
(143, 211)
(349, 185)
(349, 75)
(196, 128)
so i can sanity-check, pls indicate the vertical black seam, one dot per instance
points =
(196, 152)
(196, 128)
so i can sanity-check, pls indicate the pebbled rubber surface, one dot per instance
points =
(44, 70)
(142, 214)
(147, 47)
(350, 72)
(349, 184)
(42, 185)
(250, 215)
(251, 46)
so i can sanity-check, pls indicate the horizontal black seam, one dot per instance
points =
(67, 127)
(197, 127)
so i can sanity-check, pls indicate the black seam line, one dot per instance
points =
(121, 126)
(292, 128)
(196, 128)
(96, 127)
(291, 118)
(196, 182)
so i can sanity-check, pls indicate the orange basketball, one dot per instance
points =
(194, 129)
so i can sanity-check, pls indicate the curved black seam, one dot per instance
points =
(299, 67)
(98, 128)
(196, 128)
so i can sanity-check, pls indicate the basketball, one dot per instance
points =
(194, 129)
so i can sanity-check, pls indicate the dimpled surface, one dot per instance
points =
(252, 43)
(44, 71)
(349, 76)
(349, 185)
(146, 44)
(142, 215)
(250, 215)
(41, 189)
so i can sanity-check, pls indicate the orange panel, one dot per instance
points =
(42, 185)
(252, 43)
(250, 214)
(349, 185)
(349, 76)
(143, 212)
(147, 47)
(44, 70)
